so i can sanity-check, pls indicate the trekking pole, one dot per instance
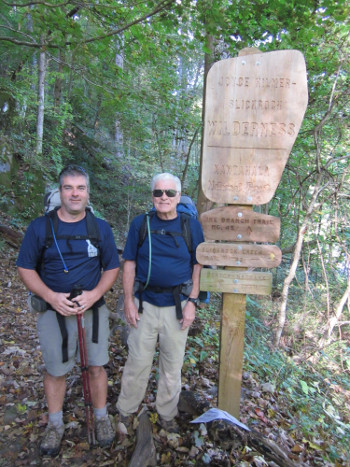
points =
(89, 413)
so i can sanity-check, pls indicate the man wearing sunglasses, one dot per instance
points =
(50, 272)
(161, 267)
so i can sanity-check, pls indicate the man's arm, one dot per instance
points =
(130, 309)
(189, 311)
(59, 301)
(89, 297)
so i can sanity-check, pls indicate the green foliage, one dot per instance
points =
(205, 346)
(309, 385)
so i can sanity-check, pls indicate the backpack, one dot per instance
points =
(186, 208)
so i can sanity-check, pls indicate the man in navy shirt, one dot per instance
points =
(155, 275)
(51, 272)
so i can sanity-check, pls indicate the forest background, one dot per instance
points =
(119, 86)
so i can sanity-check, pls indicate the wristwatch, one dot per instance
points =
(196, 301)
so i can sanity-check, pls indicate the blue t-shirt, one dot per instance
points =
(80, 256)
(170, 264)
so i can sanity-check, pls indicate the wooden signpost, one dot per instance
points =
(239, 254)
(240, 224)
(255, 105)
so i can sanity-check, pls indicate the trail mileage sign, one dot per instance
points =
(255, 104)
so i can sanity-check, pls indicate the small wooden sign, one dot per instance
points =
(227, 281)
(237, 254)
(239, 224)
(254, 108)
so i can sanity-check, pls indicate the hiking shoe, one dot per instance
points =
(125, 425)
(104, 432)
(51, 443)
(170, 426)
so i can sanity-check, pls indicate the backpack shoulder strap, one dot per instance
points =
(186, 230)
(51, 223)
(143, 228)
(93, 231)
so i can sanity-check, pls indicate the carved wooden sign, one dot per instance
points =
(254, 108)
(237, 224)
(227, 281)
(237, 254)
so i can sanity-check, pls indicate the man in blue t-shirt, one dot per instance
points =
(50, 272)
(156, 304)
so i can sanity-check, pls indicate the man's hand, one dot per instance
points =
(60, 303)
(188, 315)
(131, 312)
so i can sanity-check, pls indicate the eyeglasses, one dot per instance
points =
(170, 193)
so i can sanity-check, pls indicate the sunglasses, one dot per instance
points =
(169, 193)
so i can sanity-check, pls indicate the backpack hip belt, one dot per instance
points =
(176, 290)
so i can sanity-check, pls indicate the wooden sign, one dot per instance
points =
(253, 112)
(223, 280)
(237, 224)
(236, 254)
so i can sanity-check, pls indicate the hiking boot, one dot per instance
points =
(51, 443)
(170, 426)
(104, 432)
(125, 425)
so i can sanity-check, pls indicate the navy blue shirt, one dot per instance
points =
(80, 256)
(170, 264)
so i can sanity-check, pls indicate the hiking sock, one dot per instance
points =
(56, 418)
(100, 413)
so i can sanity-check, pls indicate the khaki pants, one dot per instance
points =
(154, 322)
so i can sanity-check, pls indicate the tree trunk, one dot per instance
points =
(41, 102)
(203, 204)
(118, 131)
(296, 257)
(334, 320)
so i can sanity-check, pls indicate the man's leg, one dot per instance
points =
(55, 389)
(142, 343)
(97, 356)
(98, 385)
(50, 338)
(172, 343)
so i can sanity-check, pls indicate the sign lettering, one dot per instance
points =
(227, 281)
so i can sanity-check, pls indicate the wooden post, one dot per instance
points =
(231, 352)
(232, 348)
(255, 105)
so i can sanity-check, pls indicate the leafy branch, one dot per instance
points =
(161, 6)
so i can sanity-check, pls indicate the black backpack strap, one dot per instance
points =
(177, 300)
(143, 228)
(186, 230)
(62, 324)
(51, 223)
(93, 232)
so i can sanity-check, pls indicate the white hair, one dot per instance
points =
(166, 176)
